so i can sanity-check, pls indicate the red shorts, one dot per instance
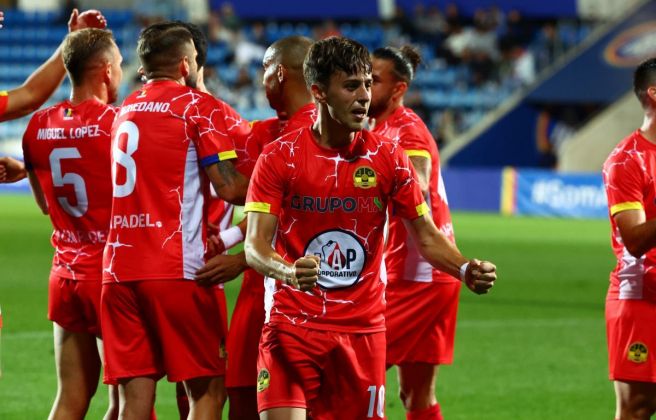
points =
(74, 304)
(245, 331)
(333, 375)
(162, 327)
(421, 322)
(631, 340)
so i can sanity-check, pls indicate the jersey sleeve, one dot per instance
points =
(624, 186)
(212, 139)
(407, 199)
(266, 187)
(414, 144)
(4, 100)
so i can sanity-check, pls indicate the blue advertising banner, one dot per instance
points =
(301, 9)
(545, 193)
(473, 189)
(559, 8)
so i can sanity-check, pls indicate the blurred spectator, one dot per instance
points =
(430, 25)
(518, 64)
(230, 19)
(326, 29)
(153, 11)
(452, 17)
(246, 51)
(216, 31)
(517, 28)
(548, 44)
(553, 128)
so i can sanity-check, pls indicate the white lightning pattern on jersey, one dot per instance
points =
(113, 245)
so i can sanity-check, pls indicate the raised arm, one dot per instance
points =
(41, 84)
(479, 276)
(302, 274)
(422, 166)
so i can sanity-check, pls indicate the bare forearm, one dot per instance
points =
(640, 238)
(38, 192)
(36, 89)
(266, 261)
(435, 247)
(228, 183)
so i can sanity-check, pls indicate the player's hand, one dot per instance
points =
(11, 170)
(215, 246)
(480, 276)
(2, 18)
(221, 269)
(89, 19)
(305, 272)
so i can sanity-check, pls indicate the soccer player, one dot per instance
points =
(156, 321)
(322, 193)
(629, 175)
(422, 302)
(67, 153)
(38, 88)
(288, 95)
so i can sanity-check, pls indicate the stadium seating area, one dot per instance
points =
(448, 95)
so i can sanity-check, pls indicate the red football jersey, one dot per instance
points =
(331, 203)
(68, 148)
(628, 176)
(162, 137)
(402, 258)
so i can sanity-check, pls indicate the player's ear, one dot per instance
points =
(651, 92)
(400, 89)
(281, 73)
(318, 93)
(184, 67)
(107, 73)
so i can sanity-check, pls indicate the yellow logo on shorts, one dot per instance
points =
(638, 352)
(263, 379)
(364, 177)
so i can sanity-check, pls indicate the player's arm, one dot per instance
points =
(222, 268)
(638, 233)
(11, 170)
(37, 192)
(441, 253)
(422, 165)
(41, 84)
(302, 274)
(229, 184)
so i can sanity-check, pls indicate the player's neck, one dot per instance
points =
(388, 111)
(648, 127)
(296, 100)
(330, 134)
(88, 91)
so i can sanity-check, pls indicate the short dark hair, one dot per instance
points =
(292, 50)
(200, 41)
(405, 60)
(162, 45)
(644, 77)
(83, 48)
(335, 54)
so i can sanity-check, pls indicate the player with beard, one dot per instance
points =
(322, 193)
(156, 319)
(422, 301)
(67, 154)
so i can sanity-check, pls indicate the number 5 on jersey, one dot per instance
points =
(125, 159)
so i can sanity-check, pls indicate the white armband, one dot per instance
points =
(463, 271)
(231, 237)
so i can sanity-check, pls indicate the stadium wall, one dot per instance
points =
(587, 150)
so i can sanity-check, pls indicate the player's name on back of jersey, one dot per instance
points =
(80, 236)
(82, 132)
(145, 107)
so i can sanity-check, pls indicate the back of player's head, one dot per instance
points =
(405, 60)
(644, 77)
(200, 41)
(291, 51)
(161, 46)
(334, 54)
(83, 49)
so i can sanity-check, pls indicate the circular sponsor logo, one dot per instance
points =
(638, 352)
(633, 46)
(342, 258)
(364, 177)
(263, 380)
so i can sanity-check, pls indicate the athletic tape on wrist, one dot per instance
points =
(231, 237)
(463, 271)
